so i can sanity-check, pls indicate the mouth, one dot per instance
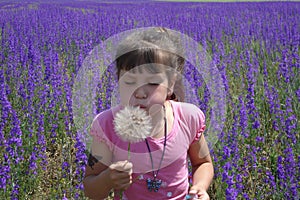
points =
(141, 106)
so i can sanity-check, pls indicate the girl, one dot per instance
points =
(149, 66)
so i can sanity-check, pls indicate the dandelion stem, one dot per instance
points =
(128, 150)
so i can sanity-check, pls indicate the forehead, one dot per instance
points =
(144, 56)
(143, 72)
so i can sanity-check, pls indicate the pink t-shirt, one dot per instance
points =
(187, 127)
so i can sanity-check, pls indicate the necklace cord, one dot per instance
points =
(164, 148)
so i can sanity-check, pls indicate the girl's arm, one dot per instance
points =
(101, 176)
(202, 167)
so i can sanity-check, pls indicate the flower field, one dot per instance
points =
(255, 46)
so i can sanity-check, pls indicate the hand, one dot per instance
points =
(196, 193)
(120, 174)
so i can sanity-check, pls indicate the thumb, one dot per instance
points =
(128, 167)
(193, 190)
(124, 166)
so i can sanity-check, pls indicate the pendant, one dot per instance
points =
(153, 184)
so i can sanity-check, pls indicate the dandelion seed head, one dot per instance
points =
(132, 124)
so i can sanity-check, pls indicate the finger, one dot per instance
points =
(193, 192)
(122, 187)
(120, 176)
(203, 196)
(128, 167)
(118, 165)
(123, 184)
(123, 166)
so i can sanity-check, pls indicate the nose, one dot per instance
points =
(140, 93)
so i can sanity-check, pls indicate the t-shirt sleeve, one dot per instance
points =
(98, 131)
(195, 120)
(200, 124)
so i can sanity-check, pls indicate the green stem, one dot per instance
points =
(128, 150)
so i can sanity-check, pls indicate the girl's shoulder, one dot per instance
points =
(107, 116)
(187, 110)
(190, 119)
(102, 125)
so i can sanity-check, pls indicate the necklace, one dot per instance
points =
(155, 183)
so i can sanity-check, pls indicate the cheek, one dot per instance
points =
(125, 94)
(159, 95)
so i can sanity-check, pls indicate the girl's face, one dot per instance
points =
(144, 89)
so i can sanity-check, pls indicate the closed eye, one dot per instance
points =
(153, 83)
(129, 83)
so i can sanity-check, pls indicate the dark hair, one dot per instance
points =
(154, 45)
(151, 46)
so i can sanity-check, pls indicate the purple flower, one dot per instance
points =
(13, 151)
(66, 169)
(270, 180)
(15, 192)
(290, 173)
(290, 122)
(32, 162)
(5, 170)
(80, 160)
(281, 172)
(243, 118)
(251, 79)
(260, 139)
(298, 94)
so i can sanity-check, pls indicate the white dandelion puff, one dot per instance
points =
(132, 124)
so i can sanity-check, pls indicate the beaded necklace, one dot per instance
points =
(153, 184)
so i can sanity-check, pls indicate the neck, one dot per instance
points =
(158, 120)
